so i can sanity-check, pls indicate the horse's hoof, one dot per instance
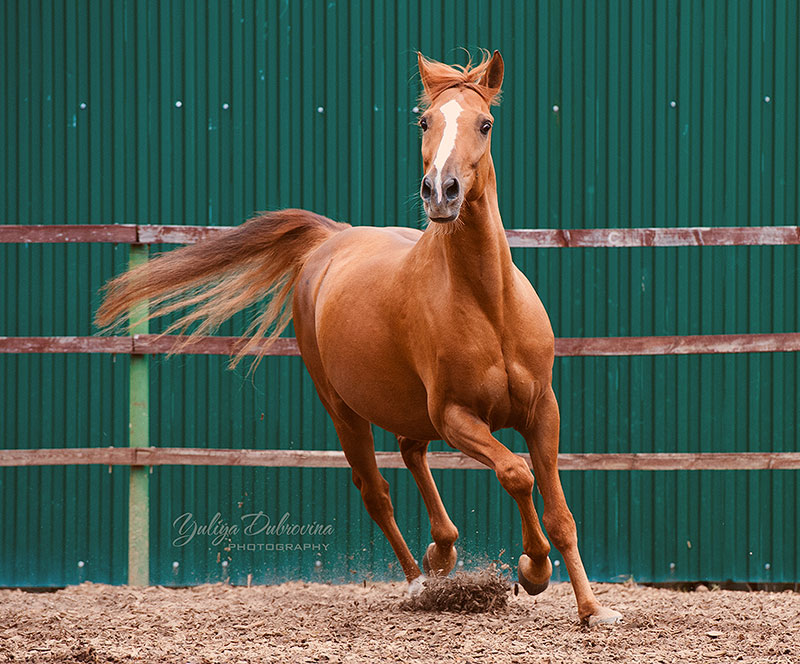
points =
(604, 616)
(434, 565)
(416, 586)
(528, 578)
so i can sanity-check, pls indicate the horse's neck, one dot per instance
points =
(476, 256)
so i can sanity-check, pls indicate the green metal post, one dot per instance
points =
(139, 497)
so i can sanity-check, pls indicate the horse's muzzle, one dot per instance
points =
(442, 205)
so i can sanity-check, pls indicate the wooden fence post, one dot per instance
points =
(139, 423)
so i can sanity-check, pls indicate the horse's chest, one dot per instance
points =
(497, 384)
(474, 374)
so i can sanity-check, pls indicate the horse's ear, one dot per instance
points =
(493, 78)
(424, 73)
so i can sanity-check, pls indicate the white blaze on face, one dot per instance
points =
(451, 110)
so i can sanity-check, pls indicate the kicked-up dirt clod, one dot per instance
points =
(464, 592)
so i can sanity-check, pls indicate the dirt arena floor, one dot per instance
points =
(299, 622)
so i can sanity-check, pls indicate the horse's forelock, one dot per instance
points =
(440, 77)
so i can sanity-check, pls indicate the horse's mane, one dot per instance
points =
(441, 77)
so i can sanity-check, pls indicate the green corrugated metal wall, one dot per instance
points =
(668, 114)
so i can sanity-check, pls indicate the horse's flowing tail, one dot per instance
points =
(221, 276)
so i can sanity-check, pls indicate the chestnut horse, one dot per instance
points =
(429, 335)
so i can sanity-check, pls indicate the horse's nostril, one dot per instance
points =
(452, 189)
(426, 190)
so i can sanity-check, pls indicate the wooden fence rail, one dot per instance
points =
(528, 237)
(186, 456)
(144, 344)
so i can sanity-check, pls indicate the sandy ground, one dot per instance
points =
(299, 622)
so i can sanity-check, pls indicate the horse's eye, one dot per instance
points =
(485, 127)
(423, 123)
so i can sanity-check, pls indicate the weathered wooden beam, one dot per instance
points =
(160, 456)
(523, 237)
(66, 345)
(155, 456)
(124, 233)
(152, 234)
(144, 344)
(682, 461)
(678, 345)
(153, 343)
(60, 456)
(654, 237)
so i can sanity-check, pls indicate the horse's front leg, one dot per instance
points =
(542, 440)
(468, 433)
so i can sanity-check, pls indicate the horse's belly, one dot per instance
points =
(348, 297)
(373, 381)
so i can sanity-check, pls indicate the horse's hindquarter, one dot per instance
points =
(350, 328)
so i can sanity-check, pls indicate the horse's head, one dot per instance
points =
(456, 132)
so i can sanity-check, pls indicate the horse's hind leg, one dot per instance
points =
(441, 556)
(355, 436)
(542, 440)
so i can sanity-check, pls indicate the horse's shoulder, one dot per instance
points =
(529, 312)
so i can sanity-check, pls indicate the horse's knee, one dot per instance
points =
(515, 476)
(560, 527)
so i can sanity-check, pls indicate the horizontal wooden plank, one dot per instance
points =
(678, 345)
(69, 233)
(682, 461)
(230, 457)
(153, 234)
(654, 237)
(525, 237)
(160, 456)
(153, 343)
(565, 347)
(66, 345)
(81, 456)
